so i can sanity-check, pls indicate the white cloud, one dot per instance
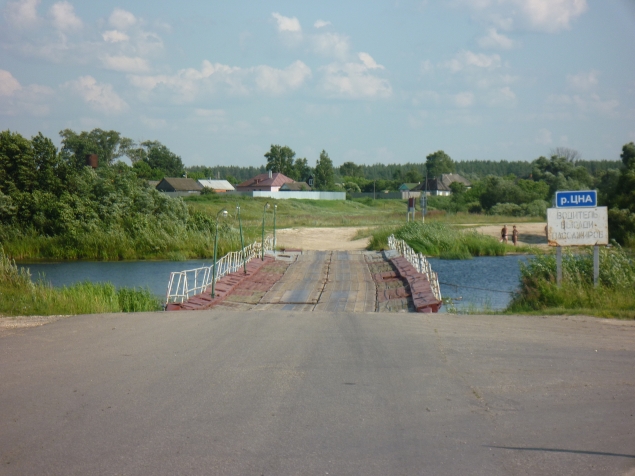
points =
(64, 18)
(16, 99)
(22, 13)
(543, 137)
(126, 64)
(464, 99)
(190, 83)
(114, 36)
(369, 62)
(279, 81)
(287, 24)
(583, 81)
(541, 15)
(426, 67)
(99, 96)
(121, 19)
(467, 59)
(551, 15)
(354, 80)
(321, 23)
(8, 84)
(493, 39)
(501, 97)
(589, 103)
(331, 45)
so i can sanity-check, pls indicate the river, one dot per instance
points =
(495, 277)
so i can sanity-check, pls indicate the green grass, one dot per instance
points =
(613, 297)
(180, 243)
(20, 296)
(440, 239)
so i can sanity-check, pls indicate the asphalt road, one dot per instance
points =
(291, 393)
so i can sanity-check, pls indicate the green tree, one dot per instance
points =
(108, 145)
(280, 159)
(155, 161)
(351, 169)
(301, 170)
(439, 163)
(324, 173)
(561, 174)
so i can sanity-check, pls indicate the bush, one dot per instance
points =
(507, 209)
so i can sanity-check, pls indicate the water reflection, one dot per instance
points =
(151, 274)
(493, 273)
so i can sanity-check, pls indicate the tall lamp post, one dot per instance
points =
(224, 213)
(242, 243)
(264, 213)
(275, 207)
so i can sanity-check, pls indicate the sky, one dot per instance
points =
(367, 81)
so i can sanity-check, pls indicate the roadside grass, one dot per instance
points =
(613, 297)
(20, 296)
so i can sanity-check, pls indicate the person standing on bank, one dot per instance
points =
(515, 236)
(504, 234)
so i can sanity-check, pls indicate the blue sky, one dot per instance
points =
(372, 81)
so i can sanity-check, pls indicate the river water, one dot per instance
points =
(495, 277)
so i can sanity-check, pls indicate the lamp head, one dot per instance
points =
(275, 207)
(224, 213)
(267, 206)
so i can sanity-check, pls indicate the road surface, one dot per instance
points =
(298, 393)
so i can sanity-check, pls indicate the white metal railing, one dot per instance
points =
(417, 260)
(184, 284)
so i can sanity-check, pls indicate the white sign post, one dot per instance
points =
(573, 225)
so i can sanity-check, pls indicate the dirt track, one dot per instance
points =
(321, 239)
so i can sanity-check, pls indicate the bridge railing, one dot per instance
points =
(185, 284)
(419, 261)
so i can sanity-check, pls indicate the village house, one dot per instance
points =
(269, 182)
(295, 187)
(219, 186)
(441, 185)
(178, 184)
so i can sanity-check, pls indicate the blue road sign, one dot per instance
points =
(579, 198)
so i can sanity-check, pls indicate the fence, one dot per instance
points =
(417, 260)
(184, 284)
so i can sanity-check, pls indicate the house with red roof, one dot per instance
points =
(269, 182)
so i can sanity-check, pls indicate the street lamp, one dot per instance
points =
(224, 213)
(264, 212)
(242, 243)
(275, 207)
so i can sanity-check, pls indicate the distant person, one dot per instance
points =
(515, 236)
(547, 232)
(504, 234)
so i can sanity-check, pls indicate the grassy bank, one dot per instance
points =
(440, 239)
(614, 297)
(20, 296)
(195, 239)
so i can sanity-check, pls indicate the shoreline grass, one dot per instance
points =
(614, 297)
(440, 240)
(20, 296)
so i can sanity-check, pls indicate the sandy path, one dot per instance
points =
(321, 239)
(528, 233)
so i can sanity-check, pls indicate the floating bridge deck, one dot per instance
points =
(351, 281)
